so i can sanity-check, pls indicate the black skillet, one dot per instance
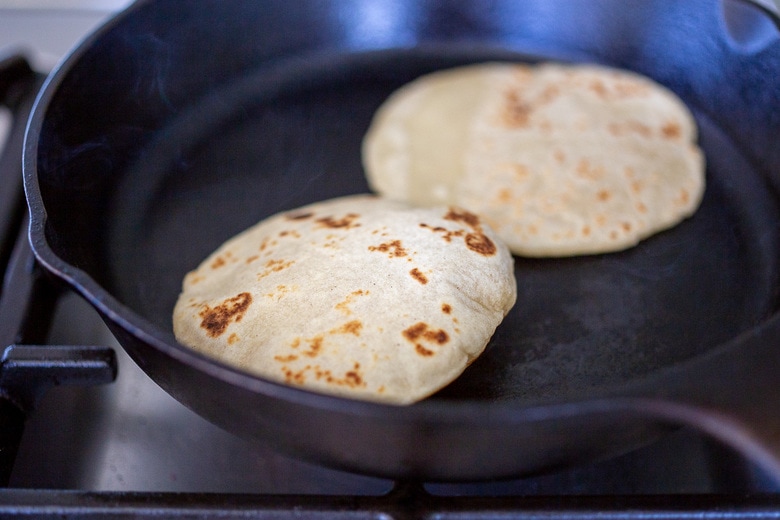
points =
(180, 123)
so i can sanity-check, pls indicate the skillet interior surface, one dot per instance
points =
(183, 123)
(279, 140)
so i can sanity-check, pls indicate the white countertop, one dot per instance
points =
(47, 29)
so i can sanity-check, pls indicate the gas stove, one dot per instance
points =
(86, 433)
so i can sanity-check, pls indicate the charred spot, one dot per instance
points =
(481, 244)
(420, 330)
(446, 308)
(353, 379)
(393, 248)
(291, 377)
(346, 222)
(446, 234)
(315, 345)
(460, 215)
(419, 276)
(423, 351)
(216, 320)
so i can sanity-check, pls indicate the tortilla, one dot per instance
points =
(559, 160)
(357, 296)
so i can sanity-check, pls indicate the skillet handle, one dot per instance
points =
(731, 394)
(769, 6)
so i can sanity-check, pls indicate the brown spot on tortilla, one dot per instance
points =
(520, 170)
(423, 351)
(446, 234)
(585, 231)
(446, 308)
(459, 215)
(481, 244)
(232, 338)
(299, 216)
(516, 111)
(598, 88)
(351, 327)
(218, 262)
(626, 226)
(603, 195)
(345, 222)
(684, 196)
(274, 266)
(216, 320)
(286, 359)
(344, 305)
(252, 259)
(192, 278)
(291, 377)
(315, 346)
(671, 130)
(421, 330)
(293, 233)
(417, 275)
(394, 248)
(641, 208)
(586, 170)
(351, 379)
(613, 235)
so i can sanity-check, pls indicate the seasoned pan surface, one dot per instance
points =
(282, 139)
(170, 159)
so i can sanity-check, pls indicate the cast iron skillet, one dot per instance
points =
(180, 123)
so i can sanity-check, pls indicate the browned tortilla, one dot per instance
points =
(558, 159)
(358, 296)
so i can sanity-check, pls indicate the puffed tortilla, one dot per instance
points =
(357, 296)
(559, 160)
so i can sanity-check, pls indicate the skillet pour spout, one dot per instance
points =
(180, 123)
